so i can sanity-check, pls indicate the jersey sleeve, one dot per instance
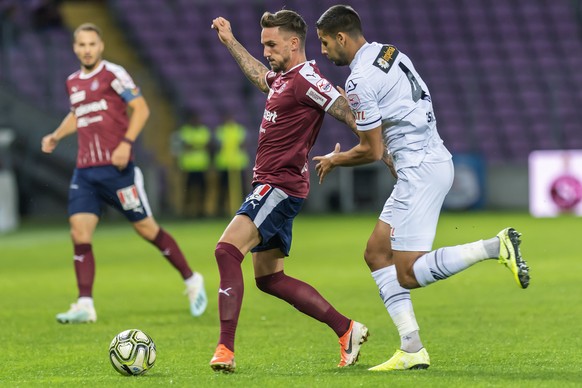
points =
(314, 90)
(364, 104)
(123, 84)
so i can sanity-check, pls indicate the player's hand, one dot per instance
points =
(342, 92)
(49, 143)
(120, 156)
(222, 27)
(325, 163)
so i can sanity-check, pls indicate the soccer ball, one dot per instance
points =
(132, 352)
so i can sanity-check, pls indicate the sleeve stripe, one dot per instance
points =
(368, 124)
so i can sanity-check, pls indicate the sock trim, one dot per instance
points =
(231, 249)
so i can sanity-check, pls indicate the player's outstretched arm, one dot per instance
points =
(254, 70)
(370, 149)
(68, 126)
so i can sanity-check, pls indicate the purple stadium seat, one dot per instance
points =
(504, 75)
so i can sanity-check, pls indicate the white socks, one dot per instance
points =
(85, 301)
(447, 261)
(399, 305)
(429, 268)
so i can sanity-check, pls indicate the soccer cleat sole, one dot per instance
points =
(224, 368)
(363, 339)
(522, 269)
(73, 322)
(419, 366)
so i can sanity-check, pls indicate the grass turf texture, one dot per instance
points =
(480, 329)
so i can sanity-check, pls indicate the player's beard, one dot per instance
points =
(340, 60)
(276, 66)
(90, 66)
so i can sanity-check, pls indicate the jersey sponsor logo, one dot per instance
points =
(354, 101)
(124, 78)
(351, 86)
(270, 116)
(91, 107)
(117, 86)
(360, 115)
(83, 122)
(129, 199)
(77, 97)
(315, 96)
(386, 58)
(279, 87)
(323, 85)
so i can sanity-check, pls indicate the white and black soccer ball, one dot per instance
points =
(132, 352)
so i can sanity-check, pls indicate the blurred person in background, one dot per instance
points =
(231, 162)
(99, 94)
(297, 99)
(191, 144)
(393, 110)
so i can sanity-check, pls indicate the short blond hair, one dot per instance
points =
(88, 27)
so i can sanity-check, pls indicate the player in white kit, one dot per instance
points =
(396, 122)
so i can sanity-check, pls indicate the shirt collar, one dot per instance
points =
(359, 53)
(92, 73)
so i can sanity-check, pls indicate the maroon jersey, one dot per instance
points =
(293, 115)
(99, 102)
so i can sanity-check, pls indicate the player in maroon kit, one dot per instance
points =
(99, 94)
(298, 97)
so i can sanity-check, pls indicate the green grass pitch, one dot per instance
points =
(480, 329)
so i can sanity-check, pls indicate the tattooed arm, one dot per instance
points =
(340, 109)
(251, 67)
(370, 148)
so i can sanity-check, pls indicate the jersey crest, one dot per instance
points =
(386, 58)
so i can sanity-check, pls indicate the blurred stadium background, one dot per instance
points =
(504, 76)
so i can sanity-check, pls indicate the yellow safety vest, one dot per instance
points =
(231, 156)
(195, 156)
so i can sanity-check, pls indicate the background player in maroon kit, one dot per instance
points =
(99, 95)
(298, 97)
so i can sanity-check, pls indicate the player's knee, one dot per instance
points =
(262, 284)
(265, 285)
(377, 259)
(147, 229)
(268, 283)
(407, 279)
(80, 236)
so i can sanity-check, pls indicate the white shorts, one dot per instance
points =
(415, 204)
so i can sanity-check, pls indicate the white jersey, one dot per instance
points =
(385, 89)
